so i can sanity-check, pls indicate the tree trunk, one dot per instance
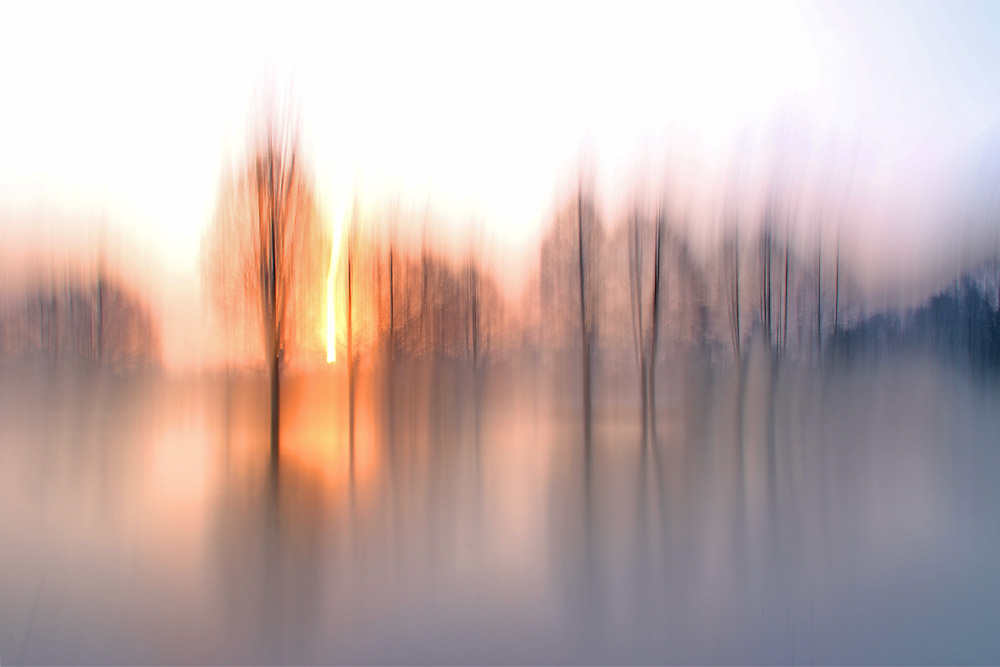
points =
(100, 317)
(784, 299)
(392, 309)
(350, 358)
(654, 331)
(836, 293)
(584, 341)
(734, 305)
(273, 367)
(635, 275)
(819, 299)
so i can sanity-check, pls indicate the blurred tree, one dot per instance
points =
(645, 255)
(731, 267)
(58, 321)
(266, 255)
(570, 287)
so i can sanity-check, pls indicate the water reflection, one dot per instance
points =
(779, 516)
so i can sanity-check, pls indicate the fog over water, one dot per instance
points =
(836, 518)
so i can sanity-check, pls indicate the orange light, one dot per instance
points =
(331, 287)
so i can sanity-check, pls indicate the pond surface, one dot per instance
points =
(783, 515)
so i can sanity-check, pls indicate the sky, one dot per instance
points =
(128, 112)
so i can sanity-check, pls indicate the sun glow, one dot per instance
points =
(331, 286)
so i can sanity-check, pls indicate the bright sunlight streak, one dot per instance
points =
(331, 292)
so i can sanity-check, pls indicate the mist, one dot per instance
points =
(525, 335)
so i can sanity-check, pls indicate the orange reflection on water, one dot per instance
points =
(315, 434)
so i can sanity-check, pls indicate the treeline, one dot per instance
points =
(660, 282)
(633, 290)
(417, 300)
(90, 322)
(644, 291)
(960, 325)
(611, 300)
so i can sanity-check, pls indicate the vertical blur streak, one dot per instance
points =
(699, 436)
(331, 291)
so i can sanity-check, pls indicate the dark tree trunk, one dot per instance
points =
(655, 326)
(392, 309)
(836, 293)
(636, 277)
(784, 296)
(273, 369)
(819, 299)
(584, 341)
(350, 357)
(734, 304)
(100, 318)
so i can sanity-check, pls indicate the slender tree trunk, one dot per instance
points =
(734, 304)
(350, 357)
(55, 329)
(584, 340)
(274, 328)
(765, 286)
(819, 298)
(100, 317)
(784, 299)
(836, 292)
(273, 370)
(392, 309)
(635, 273)
(644, 385)
(474, 316)
(655, 330)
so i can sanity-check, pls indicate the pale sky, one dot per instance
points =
(130, 109)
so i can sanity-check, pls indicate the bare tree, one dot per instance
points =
(568, 296)
(63, 315)
(645, 252)
(836, 289)
(766, 281)
(587, 234)
(267, 254)
(819, 295)
(731, 265)
(775, 256)
(784, 291)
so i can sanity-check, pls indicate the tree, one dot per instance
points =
(570, 286)
(773, 302)
(645, 244)
(266, 257)
(731, 267)
(587, 240)
(58, 320)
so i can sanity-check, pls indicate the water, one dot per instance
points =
(843, 516)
